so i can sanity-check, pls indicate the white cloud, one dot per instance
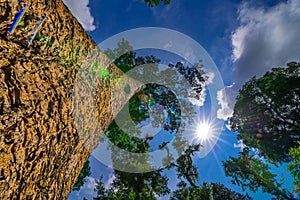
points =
(266, 38)
(87, 190)
(81, 11)
(109, 181)
(195, 98)
(226, 98)
(210, 78)
(199, 99)
(240, 145)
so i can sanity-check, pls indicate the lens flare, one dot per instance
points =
(203, 130)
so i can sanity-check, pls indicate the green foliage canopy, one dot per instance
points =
(266, 115)
(267, 112)
(152, 184)
(250, 172)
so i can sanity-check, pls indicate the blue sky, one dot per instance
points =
(244, 38)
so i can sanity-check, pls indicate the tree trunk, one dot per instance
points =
(52, 108)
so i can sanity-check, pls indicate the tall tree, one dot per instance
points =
(41, 149)
(250, 172)
(267, 112)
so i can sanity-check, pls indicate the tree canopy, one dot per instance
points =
(250, 172)
(267, 112)
(266, 115)
(128, 185)
(139, 187)
(152, 184)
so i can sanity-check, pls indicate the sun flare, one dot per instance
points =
(203, 131)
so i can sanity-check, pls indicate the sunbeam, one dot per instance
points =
(202, 131)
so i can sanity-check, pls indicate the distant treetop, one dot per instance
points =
(152, 3)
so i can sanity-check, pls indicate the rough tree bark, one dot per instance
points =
(42, 150)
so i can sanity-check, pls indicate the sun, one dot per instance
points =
(203, 130)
